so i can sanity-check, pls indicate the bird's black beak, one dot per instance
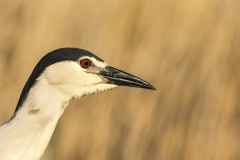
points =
(121, 78)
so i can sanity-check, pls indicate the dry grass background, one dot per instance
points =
(189, 50)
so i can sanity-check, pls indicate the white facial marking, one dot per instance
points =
(69, 77)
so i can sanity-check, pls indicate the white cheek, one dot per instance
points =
(62, 72)
(79, 85)
(86, 79)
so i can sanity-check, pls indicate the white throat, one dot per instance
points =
(29, 132)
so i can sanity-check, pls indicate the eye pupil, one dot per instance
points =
(85, 63)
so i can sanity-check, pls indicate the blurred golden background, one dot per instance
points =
(189, 50)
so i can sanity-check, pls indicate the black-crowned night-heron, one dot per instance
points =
(60, 76)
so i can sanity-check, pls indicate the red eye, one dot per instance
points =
(85, 63)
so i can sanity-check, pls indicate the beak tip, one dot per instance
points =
(150, 87)
(154, 89)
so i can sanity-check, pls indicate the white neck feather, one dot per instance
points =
(26, 136)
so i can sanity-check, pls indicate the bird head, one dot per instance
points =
(89, 74)
(76, 72)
